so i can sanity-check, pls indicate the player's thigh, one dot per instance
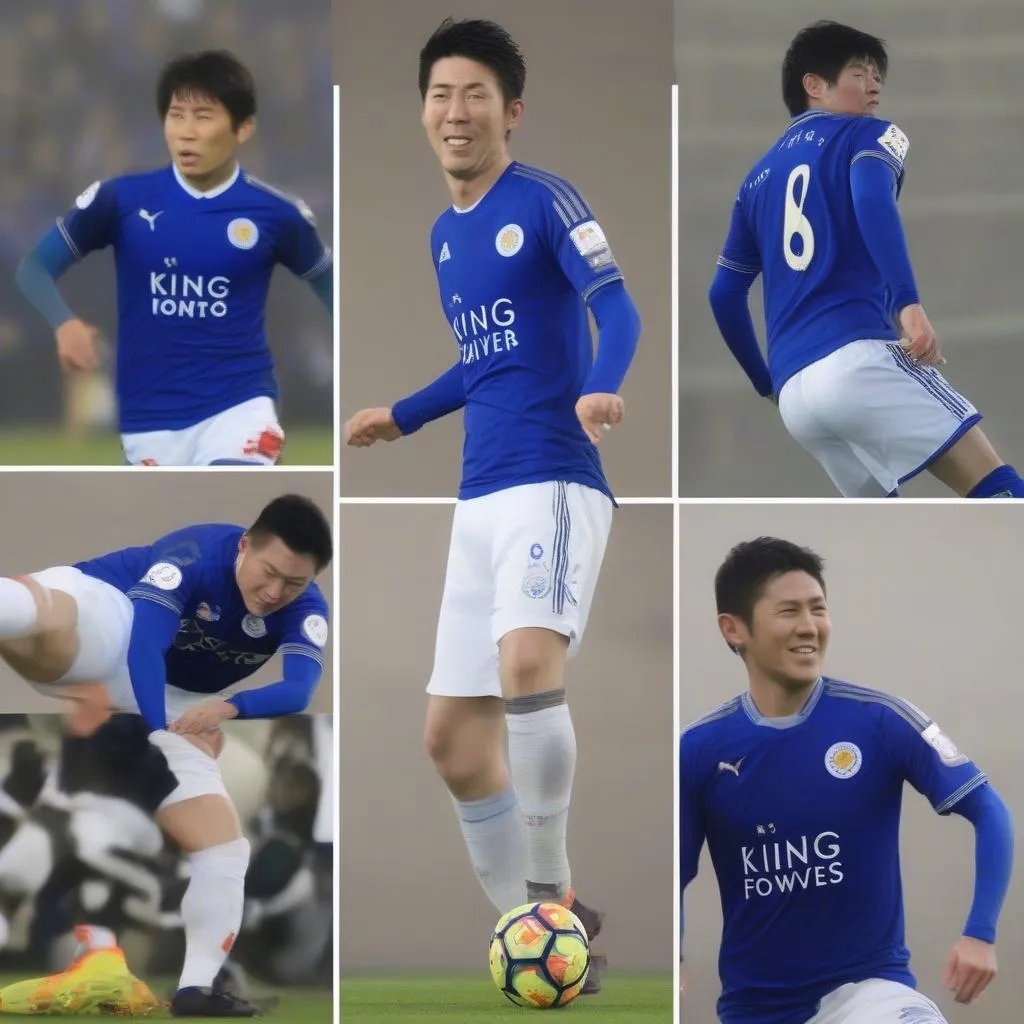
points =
(99, 650)
(248, 433)
(465, 655)
(877, 1001)
(548, 548)
(197, 812)
(160, 447)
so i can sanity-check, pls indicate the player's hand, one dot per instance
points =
(598, 413)
(204, 717)
(969, 969)
(78, 346)
(919, 339)
(368, 426)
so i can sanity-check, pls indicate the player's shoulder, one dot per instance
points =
(548, 191)
(277, 200)
(200, 542)
(885, 707)
(871, 132)
(122, 187)
(713, 722)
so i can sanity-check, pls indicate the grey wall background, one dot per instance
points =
(59, 518)
(92, 115)
(955, 88)
(920, 608)
(598, 112)
(400, 838)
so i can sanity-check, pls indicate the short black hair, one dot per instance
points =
(483, 41)
(824, 49)
(749, 566)
(214, 75)
(298, 522)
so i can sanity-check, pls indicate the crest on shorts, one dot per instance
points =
(843, 760)
(537, 580)
(254, 626)
(243, 233)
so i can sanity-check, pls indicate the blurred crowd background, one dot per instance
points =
(75, 850)
(78, 81)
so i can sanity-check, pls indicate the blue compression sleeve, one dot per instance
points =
(993, 858)
(153, 630)
(437, 399)
(873, 186)
(323, 286)
(728, 298)
(691, 838)
(618, 327)
(37, 277)
(290, 696)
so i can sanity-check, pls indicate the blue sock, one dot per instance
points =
(1003, 482)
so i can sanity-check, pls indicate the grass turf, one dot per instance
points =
(462, 999)
(306, 446)
(297, 1006)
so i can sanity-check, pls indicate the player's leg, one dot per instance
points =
(465, 726)
(549, 542)
(877, 1001)
(245, 435)
(63, 627)
(199, 816)
(973, 469)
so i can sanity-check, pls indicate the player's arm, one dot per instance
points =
(301, 250)
(88, 227)
(155, 623)
(954, 784)
(579, 245)
(446, 394)
(876, 176)
(301, 649)
(691, 832)
(737, 269)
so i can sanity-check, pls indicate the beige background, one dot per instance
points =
(59, 518)
(955, 88)
(402, 853)
(598, 112)
(921, 607)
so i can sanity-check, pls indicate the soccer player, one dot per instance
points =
(852, 355)
(520, 261)
(162, 631)
(796, 786)
(195, 245)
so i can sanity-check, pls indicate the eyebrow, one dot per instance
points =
(469, 85)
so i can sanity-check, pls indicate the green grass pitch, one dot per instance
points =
(472, 999)
(305, 446)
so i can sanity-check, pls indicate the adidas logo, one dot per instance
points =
(445, 254)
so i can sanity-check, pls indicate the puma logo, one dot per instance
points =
(724, 766)
(150, 218)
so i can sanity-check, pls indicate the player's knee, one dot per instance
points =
(459, 762)
(226, 860)
(532, 661)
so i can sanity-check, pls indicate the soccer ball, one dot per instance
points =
(539, 955)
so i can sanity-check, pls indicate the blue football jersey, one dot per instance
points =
(515, 274)
(193, 273)
(801, 816)
(219, 643)
(794, 222)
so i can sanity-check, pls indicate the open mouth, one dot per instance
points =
(804, 649)
(457, 141)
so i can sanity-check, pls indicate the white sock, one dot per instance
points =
(18, 611)
(542, 759)
(493, 830)
(211, 909)
(26, 862)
